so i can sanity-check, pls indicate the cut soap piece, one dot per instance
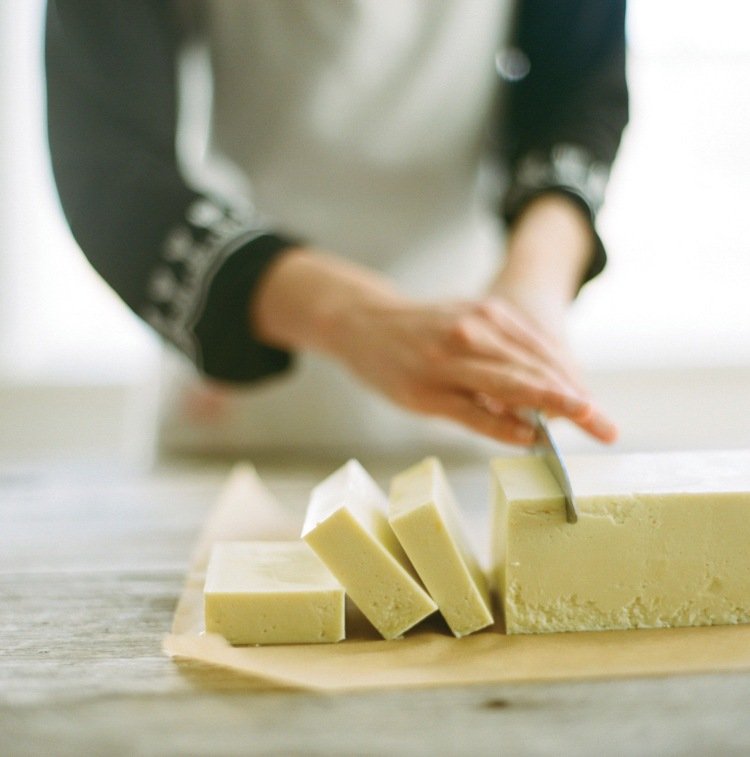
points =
(272, 593)
(424, 515)
(662, 540)
(347, 527)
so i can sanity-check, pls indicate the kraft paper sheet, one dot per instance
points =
(428, 655)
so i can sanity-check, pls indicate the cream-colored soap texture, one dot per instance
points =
(662, 540)
(272, 593)
(347, 527)
(427, 521)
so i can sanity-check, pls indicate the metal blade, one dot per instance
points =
(549, 451)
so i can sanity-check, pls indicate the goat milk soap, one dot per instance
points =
(272, 593)
(425, 517)
(347, 527)
(662, 540)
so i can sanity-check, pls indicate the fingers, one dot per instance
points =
(593, 421)
(508, 390)
(475, 336)
(596, 423)
(489, 417)
(476, 414)
(518, 388)
(523, 332)
(539, 376)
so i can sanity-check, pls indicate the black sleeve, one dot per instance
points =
(185, 262)
(566, 104)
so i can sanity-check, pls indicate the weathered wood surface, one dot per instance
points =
(91, 564)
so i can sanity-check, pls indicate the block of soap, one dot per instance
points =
(272, 593)
(662, 540)
(426, 519)
(347, 527)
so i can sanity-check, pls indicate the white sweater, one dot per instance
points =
(358, 126)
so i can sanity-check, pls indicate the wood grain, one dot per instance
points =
(91, 565)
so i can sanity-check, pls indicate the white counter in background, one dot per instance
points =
(696, 408)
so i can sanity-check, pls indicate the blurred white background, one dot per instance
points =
(674, 296)
(676, 218)
(58, 321)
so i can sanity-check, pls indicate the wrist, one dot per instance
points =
(344, 316)
(548, 250)
(311, 300)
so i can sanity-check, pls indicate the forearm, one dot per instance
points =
(547, 254)
(307, 299)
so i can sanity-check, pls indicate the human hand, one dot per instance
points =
(481, 364)
(548, 250)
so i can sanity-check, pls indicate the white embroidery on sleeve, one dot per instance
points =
(193, 253)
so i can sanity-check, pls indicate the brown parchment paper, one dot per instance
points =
(428, 655)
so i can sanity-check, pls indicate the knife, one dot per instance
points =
(550, 453)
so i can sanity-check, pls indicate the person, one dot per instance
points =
(345, 206)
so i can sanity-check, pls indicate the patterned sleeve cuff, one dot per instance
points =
(568, 169)
(198, 294)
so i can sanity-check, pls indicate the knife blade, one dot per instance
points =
(548, 450)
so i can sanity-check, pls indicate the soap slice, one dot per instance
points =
(662, 540)
(346, 525)
(425, 517)
(272, 593)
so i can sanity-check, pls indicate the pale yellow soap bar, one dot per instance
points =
(662, 540)
(425, 517)
(272, 593)
(346, 525)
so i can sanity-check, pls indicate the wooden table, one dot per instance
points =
(92, 560)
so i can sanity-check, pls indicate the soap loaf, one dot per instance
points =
(662, 540)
